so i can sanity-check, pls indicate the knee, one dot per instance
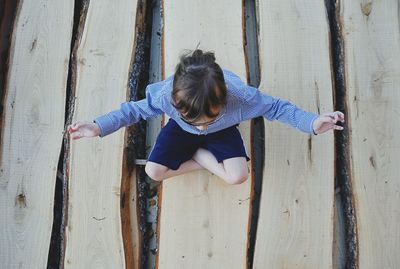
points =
(237, 179)
(154, 172)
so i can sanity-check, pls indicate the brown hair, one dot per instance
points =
(198, 85)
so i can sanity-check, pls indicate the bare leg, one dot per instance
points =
(232, 170)
(160, 172)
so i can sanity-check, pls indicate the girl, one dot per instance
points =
(205, 104)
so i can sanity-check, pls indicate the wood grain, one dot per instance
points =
(372, 57)
(295, 225)
(203, 220)
(104, 53)
(32, 130)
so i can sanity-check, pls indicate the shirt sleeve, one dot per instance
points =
(255, 103)
(132, 111)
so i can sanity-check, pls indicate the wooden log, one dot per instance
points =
(32, 130)
(203, 220)
(295, 225)
(372, 56)
(104, 54)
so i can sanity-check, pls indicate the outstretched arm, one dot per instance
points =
(272, 108)
(128, 113)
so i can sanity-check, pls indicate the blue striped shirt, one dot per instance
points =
(243, 102)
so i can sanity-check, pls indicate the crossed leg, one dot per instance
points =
(160, 172)
(232, 170)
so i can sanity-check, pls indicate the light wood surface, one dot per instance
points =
(203, 220)
(295, 225)
(372, 57)
(32, 130)
(93, 234)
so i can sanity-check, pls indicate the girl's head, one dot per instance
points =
(199, 89)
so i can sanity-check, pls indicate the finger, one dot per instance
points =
(328, 114)
(337, 127)
(79, 124)
(76, 124)
(70, 129)
(77, 136)
(334, 117)
(340, 115)
(329, 119)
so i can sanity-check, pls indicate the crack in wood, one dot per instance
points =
(134, 198)
(99, 219)
(20, 200)
(257, 133)
(56, 255)
(317, 96)
(33, 45)
(366, 8)
(9, 11)
(343, 171)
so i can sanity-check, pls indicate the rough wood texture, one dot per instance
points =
(295, 228)
(94, 236)
(372, 57)
(129, 216)
(32, 130)
(203, 220)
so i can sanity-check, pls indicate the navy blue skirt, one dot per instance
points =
(175, 146)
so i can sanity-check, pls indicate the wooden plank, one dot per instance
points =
(203, 220)
(295, 225)
(372, 57)
(32, 130)
(104, 53)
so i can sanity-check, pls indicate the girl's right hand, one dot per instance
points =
(81, 129)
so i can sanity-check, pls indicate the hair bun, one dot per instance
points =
(195, 60)
(201, 57)
(197, 53)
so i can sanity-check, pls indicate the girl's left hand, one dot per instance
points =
(327, 121)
